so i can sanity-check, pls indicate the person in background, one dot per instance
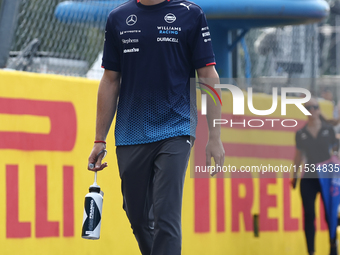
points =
(315, 143)
(327, 94)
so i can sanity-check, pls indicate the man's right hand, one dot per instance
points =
(95, 159)
(108, 93)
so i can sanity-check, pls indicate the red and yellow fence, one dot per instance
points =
(47, 126)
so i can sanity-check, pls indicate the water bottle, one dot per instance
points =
(92, 212)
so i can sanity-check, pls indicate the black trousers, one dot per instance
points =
(309, 188)
(152, 186)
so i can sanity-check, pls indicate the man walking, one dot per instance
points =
(152, 49)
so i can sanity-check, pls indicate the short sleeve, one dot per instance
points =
(298, 141)
(111, 55)
(200, 43)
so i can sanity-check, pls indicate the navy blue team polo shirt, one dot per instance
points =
(156, 49)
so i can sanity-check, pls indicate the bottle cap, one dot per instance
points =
(94, 188)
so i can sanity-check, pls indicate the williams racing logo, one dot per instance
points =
(168, 30)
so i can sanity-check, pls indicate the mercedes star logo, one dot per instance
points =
(131, 20)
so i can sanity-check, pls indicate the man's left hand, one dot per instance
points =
(214, 149)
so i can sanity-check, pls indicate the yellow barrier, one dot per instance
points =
(46, 134)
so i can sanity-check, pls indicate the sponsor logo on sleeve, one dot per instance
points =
(206, 34)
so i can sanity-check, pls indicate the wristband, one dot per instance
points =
(100, 142)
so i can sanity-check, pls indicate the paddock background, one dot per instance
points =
(47, 126)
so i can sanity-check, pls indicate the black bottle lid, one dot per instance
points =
(95, 189)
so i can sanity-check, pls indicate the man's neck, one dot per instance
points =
(315, 122)
(151, 2)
